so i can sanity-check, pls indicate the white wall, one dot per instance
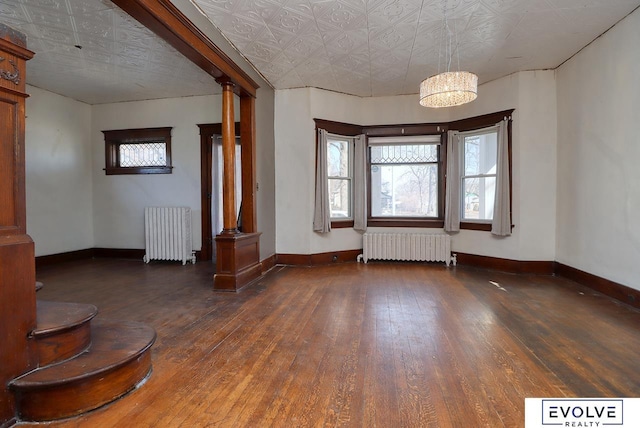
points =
(119, 200)
(294, 163)
(532, 94)
(534, 166)
(598, 152)
(58, 173)
(295, 158)
(265, 171)
(73, 205)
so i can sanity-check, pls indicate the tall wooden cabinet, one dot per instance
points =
(17, 261)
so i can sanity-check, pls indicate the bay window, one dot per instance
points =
(455, 175)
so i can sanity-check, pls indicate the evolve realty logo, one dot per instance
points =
(582, 412)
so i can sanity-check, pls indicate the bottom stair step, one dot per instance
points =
(63, 330)
(118, 359)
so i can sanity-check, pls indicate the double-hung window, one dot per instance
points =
(478, 174)
(340, 176)
(405, 176)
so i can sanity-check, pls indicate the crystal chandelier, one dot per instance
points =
(450, 88)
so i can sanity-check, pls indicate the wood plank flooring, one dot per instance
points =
(353, 345)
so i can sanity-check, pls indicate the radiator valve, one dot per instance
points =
(454, 259)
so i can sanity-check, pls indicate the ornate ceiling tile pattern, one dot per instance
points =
(359, 47)
(386, 47)
(92, 51)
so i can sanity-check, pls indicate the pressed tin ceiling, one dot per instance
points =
(387, 47)
(92, 51)
(359, 47)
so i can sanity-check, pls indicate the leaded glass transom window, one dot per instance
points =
(138, 151)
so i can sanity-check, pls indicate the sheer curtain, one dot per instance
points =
(452, 196)
(360, 184)
(322, 214)
(501, 224)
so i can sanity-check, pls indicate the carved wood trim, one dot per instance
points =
(14, 76)
(17, 275)
(20, 51)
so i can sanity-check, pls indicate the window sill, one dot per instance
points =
(139, 170)
(475, 226)
(341, 224)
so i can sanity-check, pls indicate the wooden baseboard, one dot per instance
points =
(268, 263)
(69, 256)
(318, 259)
(506, 265)
(90, 253)
(118, 253)
(609, 288)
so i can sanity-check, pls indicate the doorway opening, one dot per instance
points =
(211, 161)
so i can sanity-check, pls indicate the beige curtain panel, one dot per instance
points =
(322, 213)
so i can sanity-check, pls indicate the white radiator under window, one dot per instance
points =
(168, 234)
(407, 246)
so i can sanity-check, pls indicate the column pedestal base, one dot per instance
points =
(237, 260)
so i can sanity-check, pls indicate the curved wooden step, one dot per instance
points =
(63, 330)
(119, 358)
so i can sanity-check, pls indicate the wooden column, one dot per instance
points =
(17, 261)
(237, 254)
(229, 219)
(248, 147)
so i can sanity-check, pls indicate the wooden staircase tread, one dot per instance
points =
(54, 317)
(113, 345)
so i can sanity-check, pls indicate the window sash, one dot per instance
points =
(341, 210)
(142, 154)
(115, 139)
(428, 197)
(484, 198)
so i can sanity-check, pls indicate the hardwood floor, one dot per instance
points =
(376, 345)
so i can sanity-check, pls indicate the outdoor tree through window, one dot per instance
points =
(404, 177)
(479, 175)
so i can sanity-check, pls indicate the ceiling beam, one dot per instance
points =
(170, 24)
